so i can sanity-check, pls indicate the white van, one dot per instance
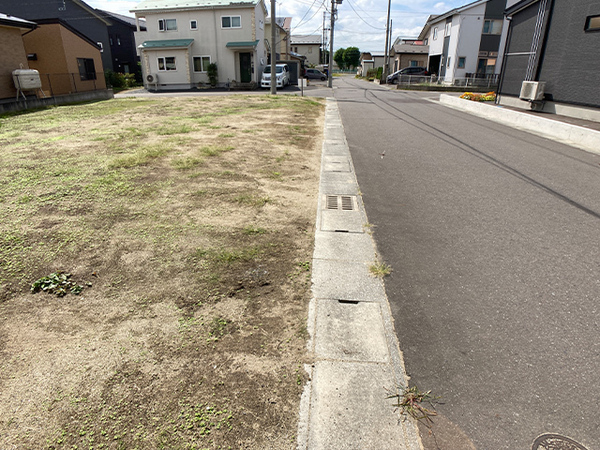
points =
(282, 73)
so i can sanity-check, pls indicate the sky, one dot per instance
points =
(360, 23)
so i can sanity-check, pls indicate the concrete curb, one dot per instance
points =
(566, 133)
(357, 359)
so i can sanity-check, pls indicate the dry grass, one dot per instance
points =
(190, 218)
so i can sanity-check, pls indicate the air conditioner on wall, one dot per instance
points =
(532, 91)
(152, 78)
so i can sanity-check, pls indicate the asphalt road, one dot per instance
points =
(493, 235)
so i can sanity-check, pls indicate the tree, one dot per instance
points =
(351, 57)
(338, 57)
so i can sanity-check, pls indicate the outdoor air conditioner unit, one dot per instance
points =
(152, 78)
(532, 91)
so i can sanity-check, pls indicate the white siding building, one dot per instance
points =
(467, 41)
(181, 40)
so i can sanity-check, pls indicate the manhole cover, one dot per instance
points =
(556, 442)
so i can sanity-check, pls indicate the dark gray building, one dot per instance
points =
(556, 42)
(76, 13)
(122, 42)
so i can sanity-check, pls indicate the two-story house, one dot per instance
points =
(182, 39)
(121, 36)
(554, 42)
(14, 55)
(76, 13)
(466, 41)
(308, 46)
(408, 53)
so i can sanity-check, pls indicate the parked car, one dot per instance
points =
(315, 74)
(408, 74)
(282, 74)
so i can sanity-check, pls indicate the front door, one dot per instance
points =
(245, 67)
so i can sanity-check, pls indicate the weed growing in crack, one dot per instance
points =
(380, 269)
(410, 403)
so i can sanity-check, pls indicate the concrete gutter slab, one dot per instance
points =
(350, 331)
(344, 247)
(342, 280)
(351, 410)
(347, 221)
(352, 338)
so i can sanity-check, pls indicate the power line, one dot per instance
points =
(359, 16)
(308, 10)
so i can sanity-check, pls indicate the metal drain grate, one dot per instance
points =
(339, 202)
(556, 442)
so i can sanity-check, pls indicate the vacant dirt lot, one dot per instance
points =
(192, 220)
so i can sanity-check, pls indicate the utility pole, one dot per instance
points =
(330, 68)
(387, 37)
(273, 50)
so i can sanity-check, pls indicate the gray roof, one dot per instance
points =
(128, 20)
(305, 39)
(6, 19)
(152, 5)
(410, 48)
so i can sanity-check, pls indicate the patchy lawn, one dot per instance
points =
(192, 220)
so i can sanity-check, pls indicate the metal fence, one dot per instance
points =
(471, 80)
(57, 84)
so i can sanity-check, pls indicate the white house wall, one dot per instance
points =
(469, 39)
(436, 46)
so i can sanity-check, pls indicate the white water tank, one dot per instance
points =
(27, 79)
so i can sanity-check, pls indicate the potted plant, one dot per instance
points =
(212, 74)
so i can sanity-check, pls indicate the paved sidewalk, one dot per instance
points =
(358, 362)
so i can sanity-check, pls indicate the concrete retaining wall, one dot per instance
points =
(569, 134)
(33, 102)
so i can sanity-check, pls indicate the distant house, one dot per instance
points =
(282, 38)
(466, 41)
(308, 46)
(408, 53)
(14, 55)
(68, 61)
(555, 42)
(121, 37)
(181, 40)
(76, 13)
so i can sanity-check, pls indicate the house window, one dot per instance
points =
(461, 62)
(448, 29)
(167, 63)
(435, 31)
(87, 69)
(201, 63)
(193, 24)
(110, 39)
(486, 66)
(118, 40)
(448, 61)
(414, 64)
(592, 23)
(492, 27)
(231, 22)
(167, 24)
